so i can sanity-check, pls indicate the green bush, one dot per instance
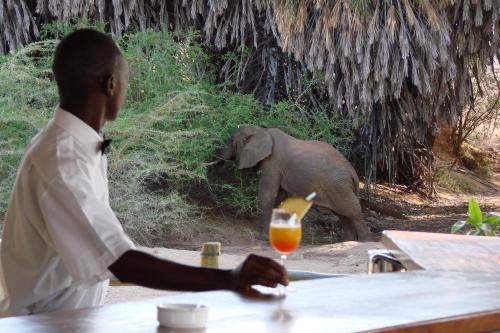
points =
(174, 119)
(477, 223)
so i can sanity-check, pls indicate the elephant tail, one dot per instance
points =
(355, 183)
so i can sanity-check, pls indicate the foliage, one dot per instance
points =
(174, 119)
(478, 224)
(21, 21)
(17, 26)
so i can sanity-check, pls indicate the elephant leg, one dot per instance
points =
(269, 186)
(357, 222)
(349, 209)
(282, 194)
(349, 232)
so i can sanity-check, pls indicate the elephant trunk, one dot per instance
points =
(227, 153)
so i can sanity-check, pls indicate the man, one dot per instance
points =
(61, 239)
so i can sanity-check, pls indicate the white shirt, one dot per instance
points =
(60, 234)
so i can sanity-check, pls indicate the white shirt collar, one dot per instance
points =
(77, 128)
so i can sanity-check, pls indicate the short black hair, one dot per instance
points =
(82, 60)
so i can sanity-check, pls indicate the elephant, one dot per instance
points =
(297, 167)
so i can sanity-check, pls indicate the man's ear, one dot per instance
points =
(109, 85)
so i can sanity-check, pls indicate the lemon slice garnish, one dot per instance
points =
(298, 205)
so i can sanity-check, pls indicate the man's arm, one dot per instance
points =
(149, 271)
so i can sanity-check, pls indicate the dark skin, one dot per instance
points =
(104, 99)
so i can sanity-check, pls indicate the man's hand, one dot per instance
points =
(258, 270)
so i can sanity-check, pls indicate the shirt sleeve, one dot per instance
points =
(83, 229)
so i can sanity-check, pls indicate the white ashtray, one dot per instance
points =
(181, 315)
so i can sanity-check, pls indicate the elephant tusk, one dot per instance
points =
(311, 196)
(218, 161)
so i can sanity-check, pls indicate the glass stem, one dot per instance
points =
(282, 289)
(283, 260)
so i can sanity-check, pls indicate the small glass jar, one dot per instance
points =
(210, 254)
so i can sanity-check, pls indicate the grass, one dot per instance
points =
(27, 99)
(174, 119)
(453, 181)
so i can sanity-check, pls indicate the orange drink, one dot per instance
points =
(285, 238)
(284, 234)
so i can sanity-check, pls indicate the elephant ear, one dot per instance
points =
(256, 147)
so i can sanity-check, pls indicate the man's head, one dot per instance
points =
(90, 68)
